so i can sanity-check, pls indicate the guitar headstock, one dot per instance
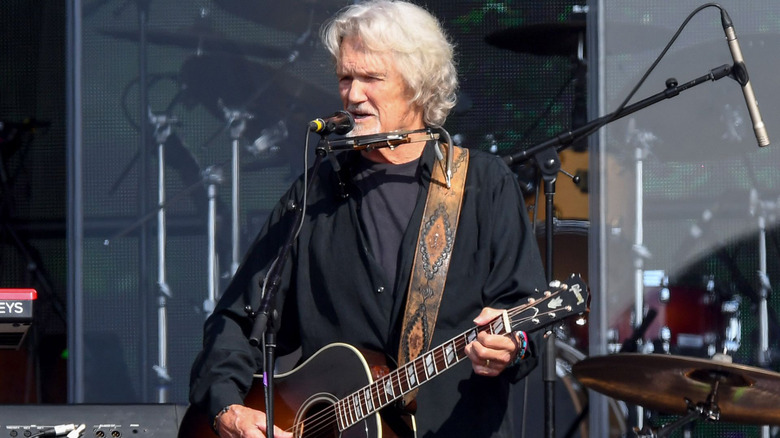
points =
(562, 300)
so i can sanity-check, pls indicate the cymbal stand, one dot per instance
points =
(694, 412)
(237, 123)
(708, 411)
(213, 176)
(642, 142)
(210, 177)
(761, 209)
(162, 129)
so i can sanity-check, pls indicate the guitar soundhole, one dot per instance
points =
(318, 419)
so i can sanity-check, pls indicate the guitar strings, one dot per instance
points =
(325, 421)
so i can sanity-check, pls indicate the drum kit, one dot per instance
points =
(673, 359)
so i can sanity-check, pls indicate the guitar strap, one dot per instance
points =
(432, 257)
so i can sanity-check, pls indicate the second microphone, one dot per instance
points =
(340, 123)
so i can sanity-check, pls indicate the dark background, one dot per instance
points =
(33, 197)
(510, 100)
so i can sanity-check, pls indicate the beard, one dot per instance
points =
(361, 129)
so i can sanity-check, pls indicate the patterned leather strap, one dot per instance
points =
(432, 258)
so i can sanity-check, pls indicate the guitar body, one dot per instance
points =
(303, 398)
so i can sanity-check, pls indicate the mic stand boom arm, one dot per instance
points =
(563, 140)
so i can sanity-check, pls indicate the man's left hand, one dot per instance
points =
(491, 354)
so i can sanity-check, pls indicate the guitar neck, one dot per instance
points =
(392, 386)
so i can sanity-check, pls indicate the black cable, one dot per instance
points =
(652, 67)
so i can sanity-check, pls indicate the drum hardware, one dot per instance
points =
(553, 39)
(563, 38)
(216, 81)
(763, 211)
(614, 345)
(165, 138)
(683, 319)
(570, 245)
(269, 141)
(162, 130)
(733, 332)
(201, 40)
(299, 16)
(236, 122)
(642, 146)
(244, 94)
(708, 389)
(212, 177)
(572, 400)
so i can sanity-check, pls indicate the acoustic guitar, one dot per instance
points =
(338, 392)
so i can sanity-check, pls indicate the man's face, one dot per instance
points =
(372, 89)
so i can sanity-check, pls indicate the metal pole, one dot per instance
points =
(639, 249)
(235, 211)
(212, 176)
(161, 133)
(237, 122)
(764, 360)
(143, 232)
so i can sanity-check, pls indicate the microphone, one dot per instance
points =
(741, 75)
(340, 122)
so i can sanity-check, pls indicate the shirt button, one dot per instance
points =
(380, 289)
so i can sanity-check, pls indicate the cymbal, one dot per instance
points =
(200, 41)
(240, 84)
(662, 382)
(546, 39)
(296, 16)
(562, 38)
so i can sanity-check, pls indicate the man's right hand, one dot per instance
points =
(243, 422)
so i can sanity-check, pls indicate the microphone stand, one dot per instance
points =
(545, 155)
(264, 324)
(549, 164)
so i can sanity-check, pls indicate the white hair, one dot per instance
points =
(415, 40)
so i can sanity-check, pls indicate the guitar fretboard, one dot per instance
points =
(387, 389)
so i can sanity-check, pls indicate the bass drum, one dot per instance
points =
(570, 256)
(571, 401)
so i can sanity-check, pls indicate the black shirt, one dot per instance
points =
(334, 290)
(388, 194)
